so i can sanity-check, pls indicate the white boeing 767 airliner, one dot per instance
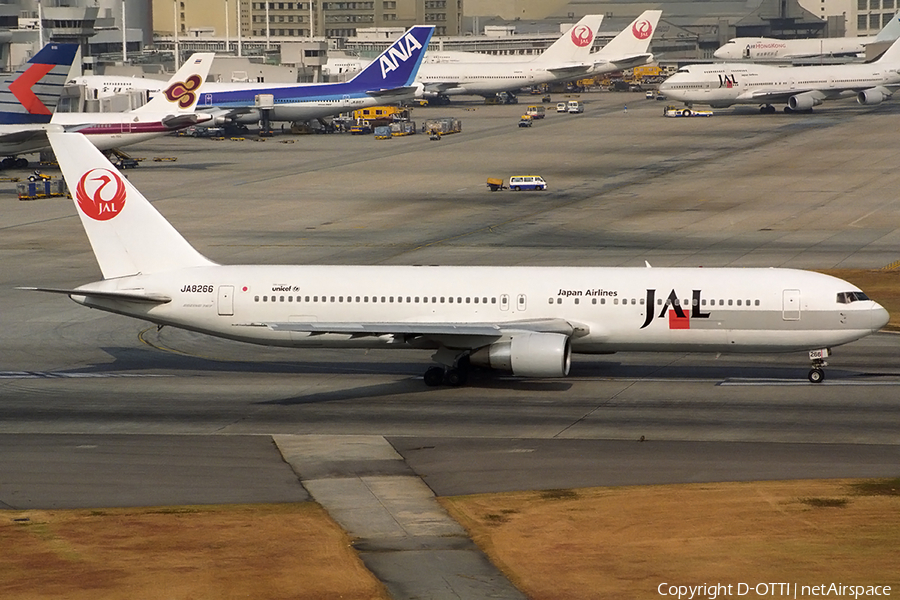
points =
(524, 320)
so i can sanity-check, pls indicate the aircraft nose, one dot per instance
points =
(879, 317)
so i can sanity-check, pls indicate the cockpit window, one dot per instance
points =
(848, 297)
(682, 70)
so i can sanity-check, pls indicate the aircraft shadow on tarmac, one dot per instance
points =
(415, 386)
(408, 379)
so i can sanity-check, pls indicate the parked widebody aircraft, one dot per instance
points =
(629, 49)
(106, 86)
(389, 78)
(524, 320)
(568, 58)
(759, 49)
(724, 84)
(171, 110)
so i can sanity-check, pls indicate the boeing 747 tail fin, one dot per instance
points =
(397, 66)
(574, 45)
(630, 47)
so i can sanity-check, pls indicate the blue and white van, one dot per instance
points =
(527, 182)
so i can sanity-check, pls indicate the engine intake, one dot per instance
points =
(528, 354)
(873, 96)
(803, 101)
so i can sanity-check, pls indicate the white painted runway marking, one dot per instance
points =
(63, 375)
(796, 382)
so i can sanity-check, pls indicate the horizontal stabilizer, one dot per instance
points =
(405, 91)
(185, 120)
(25, 136)
(571, 71)
(635, 60)
(109, 295)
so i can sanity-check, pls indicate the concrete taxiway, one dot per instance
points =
(100, 410)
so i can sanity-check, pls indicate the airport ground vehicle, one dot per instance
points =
(675, 111)
(495, 184)
(361, 127)
(383, 132)
(574, 107)
(401, 128)
(535, 112)
(527, 182)
(562, 107)
(443, 125)
(525, 121)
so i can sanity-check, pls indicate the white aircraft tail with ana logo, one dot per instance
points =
(575, 44)
(127, 233)
(180, 94)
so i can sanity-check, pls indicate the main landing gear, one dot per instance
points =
(454, 376)
(767, 109)
(816, 373)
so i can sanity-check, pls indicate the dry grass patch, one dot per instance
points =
(211, 552)
(881, 286)
(624, 542)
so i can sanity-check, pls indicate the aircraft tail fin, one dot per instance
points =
(633, 40)
(31, 94)
(128, 235)
(891, 31)
(397, 66)
(891, 56)
(574, 45)
(181, 93)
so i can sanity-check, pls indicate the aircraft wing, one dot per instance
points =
(109, 295)
(776, 95)
(484, 333)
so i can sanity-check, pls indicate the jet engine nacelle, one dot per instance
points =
(873, 96)
(252, 117)
(803, 101)
(528, 354)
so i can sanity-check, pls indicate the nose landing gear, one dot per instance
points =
(816, 373)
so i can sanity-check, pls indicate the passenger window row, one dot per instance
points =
(659, 301)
